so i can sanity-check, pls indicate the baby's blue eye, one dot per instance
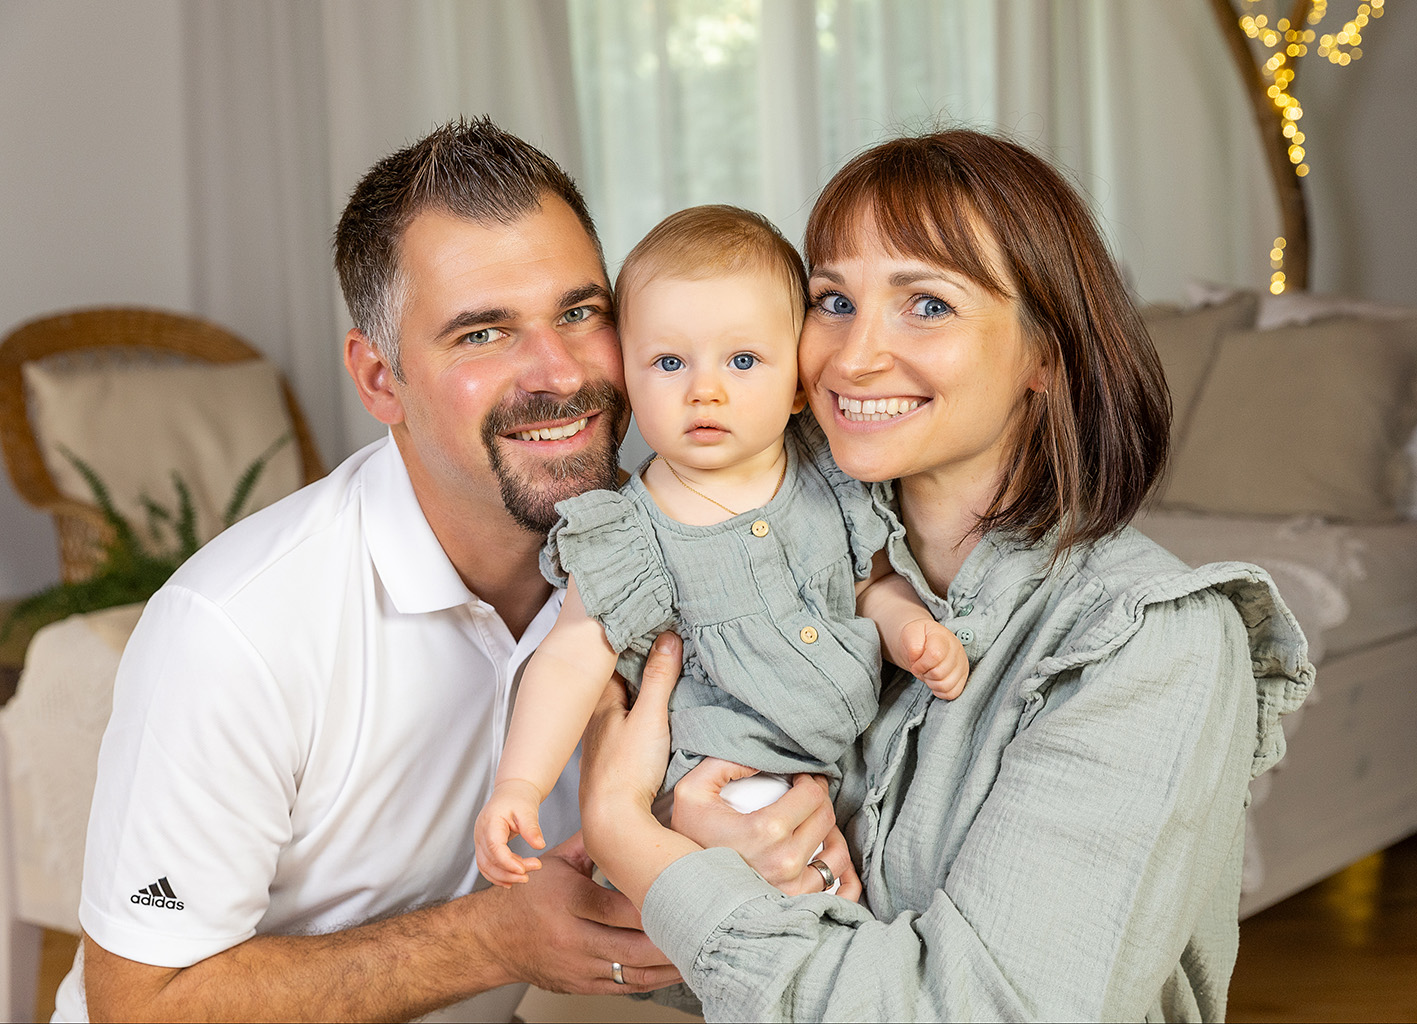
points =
(669, 363)
(744, 361)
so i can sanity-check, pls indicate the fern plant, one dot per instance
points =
(132, 569)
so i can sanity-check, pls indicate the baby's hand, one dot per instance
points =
(936, 656)
(510, 811)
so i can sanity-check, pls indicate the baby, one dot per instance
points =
(740, 534)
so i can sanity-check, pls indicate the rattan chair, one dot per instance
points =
(112, 336)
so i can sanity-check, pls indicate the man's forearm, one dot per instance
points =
(394, 969)
(560, 931)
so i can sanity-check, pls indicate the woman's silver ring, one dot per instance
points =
(828, 879)
(617, 973)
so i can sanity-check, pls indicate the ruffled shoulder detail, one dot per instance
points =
(1279, 651)
(606, 542)
(1278, 654)
(866, 525)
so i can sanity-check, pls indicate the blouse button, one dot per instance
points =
(965, 635)
(760, 528)
(966, 608)
(809, 635)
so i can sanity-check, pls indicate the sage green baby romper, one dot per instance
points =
(780, 674)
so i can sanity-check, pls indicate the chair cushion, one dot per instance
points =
(136, 424)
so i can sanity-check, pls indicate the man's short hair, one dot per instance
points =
(470, 169)
(715, 241)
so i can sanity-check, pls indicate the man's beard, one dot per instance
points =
(532, 501)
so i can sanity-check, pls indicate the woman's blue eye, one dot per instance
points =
(835, 304)
(743, 361)
(669, 363)
(929, 306)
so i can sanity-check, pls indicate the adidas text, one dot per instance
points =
(159, 894)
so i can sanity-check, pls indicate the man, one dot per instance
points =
(309, 715)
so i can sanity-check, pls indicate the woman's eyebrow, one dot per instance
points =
(906, 278)
(829, 274)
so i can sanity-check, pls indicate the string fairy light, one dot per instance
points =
(1286, 41)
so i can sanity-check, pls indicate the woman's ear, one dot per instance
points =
(1041, 377)
(373, 378)
(799, 401)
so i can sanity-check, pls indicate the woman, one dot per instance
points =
(1063, 841)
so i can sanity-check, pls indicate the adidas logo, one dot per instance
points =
(159, 894)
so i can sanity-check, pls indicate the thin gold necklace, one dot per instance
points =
(781, 477)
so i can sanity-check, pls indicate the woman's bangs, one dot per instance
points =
(912, 211)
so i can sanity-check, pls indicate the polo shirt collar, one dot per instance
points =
(411, 563)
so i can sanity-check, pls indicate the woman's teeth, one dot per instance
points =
(552, 433)
(874, 409)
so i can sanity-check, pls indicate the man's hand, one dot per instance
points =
(777, 841)
(560, 931)
(565, 931)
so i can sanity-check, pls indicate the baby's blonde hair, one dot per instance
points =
(716, 240)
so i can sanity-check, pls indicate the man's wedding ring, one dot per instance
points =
(828, 879)
(617, 971)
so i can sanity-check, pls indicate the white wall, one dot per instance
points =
(1362, 143)
(93, 187)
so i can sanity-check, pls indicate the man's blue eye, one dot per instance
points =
(743, 361)
(479, 337)
(572, 316)
(669, 363)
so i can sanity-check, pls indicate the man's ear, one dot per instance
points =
(799, 401)
(373, 377)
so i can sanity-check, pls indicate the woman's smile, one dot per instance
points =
(875, 410)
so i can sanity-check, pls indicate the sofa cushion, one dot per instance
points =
(1186, 342)
(1307, 419)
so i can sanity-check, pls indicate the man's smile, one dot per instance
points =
(554, 433)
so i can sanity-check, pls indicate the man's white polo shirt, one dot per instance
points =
(305, 725)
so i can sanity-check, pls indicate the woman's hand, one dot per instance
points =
(779, 840)
(624, 755)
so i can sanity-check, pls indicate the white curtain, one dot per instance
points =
(757, 102)
(290, 103)
(658, 104)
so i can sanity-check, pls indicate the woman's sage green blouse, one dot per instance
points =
(1063, 842)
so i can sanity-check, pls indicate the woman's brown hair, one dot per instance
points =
(1091, 446)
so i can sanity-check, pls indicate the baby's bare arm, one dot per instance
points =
(910, 636)
(558, 692)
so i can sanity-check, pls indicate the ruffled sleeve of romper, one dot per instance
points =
(605, 541)
(866, 525)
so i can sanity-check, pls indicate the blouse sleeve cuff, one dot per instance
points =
(681, 913)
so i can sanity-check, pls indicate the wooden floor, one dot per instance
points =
(1344, 950)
